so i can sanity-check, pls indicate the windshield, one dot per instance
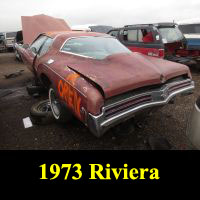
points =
(170, 34)
(190, 28)
(95, 47)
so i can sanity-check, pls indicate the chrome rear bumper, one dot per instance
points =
(98, 125)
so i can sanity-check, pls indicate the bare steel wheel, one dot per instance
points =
(55, 107)
(60, 113)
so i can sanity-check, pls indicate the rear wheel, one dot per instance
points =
(41, 112)
(59, 112)
(17, 56)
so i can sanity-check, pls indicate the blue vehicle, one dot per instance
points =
(191, 30)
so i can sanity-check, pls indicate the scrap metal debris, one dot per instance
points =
(27, 122)
(13, 75)
(13, 93)
(5, 92)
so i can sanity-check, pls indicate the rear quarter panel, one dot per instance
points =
(73, 90)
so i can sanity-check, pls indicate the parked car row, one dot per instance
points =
(7, 41)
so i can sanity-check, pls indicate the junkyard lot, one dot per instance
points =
(169, 122)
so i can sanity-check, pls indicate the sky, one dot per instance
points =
(103, 12)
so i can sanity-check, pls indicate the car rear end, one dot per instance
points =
(125, 106)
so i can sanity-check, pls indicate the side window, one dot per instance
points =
(113, 33)
(38, 43)
(132, 35)
(145, 36)
(47, 44)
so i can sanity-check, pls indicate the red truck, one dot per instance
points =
(161, 40)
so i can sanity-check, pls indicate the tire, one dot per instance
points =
(60, 113)
(41, 112)
(17, 56)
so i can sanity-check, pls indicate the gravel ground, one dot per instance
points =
(169, 122)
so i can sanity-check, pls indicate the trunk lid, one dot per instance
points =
(120, 73)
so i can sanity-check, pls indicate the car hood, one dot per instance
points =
(120, 73)
(32, 26)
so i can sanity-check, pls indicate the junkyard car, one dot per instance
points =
(99, 80)
(2, 42)
(18, 42)
(193, 127)
(163, 40)
(10, 38)
(191, 31)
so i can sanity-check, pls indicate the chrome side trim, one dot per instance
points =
(75, 54)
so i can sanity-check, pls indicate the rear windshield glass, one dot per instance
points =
(95, 47)
(170, 34)
(190, 28)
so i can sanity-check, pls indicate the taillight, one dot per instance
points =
(161, 53)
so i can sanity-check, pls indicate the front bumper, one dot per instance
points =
(118, 112)
(193, 126)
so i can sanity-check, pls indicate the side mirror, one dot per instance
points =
(25, 46)
(34, 50)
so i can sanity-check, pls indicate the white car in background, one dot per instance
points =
(2, 42)
(10, 40)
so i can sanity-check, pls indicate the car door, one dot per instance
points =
(41, 58)
(134, 39)
(29, 54)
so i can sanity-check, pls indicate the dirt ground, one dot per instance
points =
(169, 122)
